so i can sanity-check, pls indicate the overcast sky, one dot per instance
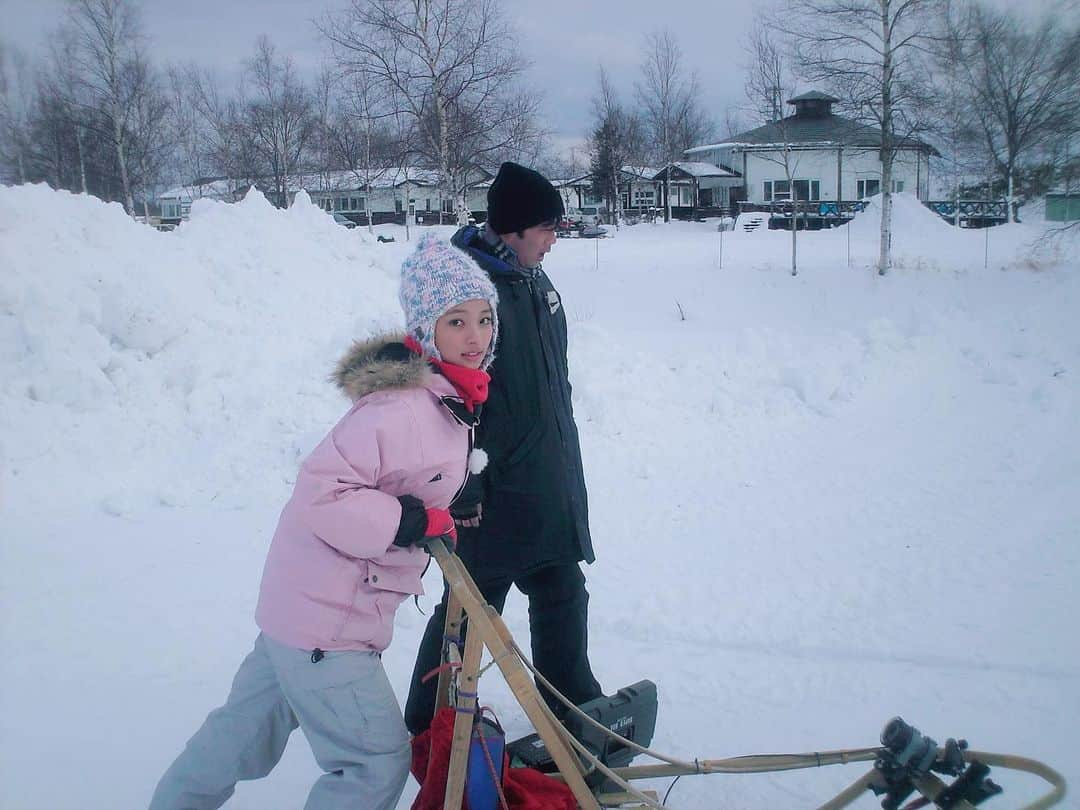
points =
(566, 41)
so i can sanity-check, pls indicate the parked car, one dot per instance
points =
(589, 215)
(341, 219)
(577, 219)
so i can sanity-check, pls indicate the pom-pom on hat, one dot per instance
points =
(520, 198)
(436, 277)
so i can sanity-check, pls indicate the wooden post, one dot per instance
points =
(487, 629)
(463, 720)
(455, 619)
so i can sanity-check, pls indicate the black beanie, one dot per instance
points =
(520, 198)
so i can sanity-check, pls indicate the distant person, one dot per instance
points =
(524, 520)
(347, 551)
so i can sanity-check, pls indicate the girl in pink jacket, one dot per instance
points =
(349, 549)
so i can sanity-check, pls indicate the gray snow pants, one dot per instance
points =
(346, 708)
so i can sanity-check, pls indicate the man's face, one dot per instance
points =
(532, 244)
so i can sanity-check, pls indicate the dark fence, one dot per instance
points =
(814, 214)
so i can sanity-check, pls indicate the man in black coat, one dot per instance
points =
(524, 520)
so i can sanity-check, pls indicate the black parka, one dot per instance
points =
(535, 507)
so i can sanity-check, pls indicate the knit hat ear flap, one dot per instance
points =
(436, 277)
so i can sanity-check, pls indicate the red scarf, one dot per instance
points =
(470, 383)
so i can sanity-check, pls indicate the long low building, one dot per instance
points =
(383, 195)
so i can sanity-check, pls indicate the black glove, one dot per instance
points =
(419, 525)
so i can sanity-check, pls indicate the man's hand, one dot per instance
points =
(469, 517)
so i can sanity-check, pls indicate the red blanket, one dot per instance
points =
(525, 788)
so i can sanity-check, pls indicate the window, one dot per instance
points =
(780, 190)
(867, 188)
(807, 189)
(644, 197)
(776, 190)
(898, 186)
(398, 206)
(686, 196)
(448, 206)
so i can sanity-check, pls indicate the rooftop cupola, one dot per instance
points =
(813, 104)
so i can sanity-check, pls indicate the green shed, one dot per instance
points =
(1063, 207)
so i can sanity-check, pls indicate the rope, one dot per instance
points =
(490, 761)
(598, 726)
(765, 763)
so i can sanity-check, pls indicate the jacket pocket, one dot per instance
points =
(400, 579)
(518, 472)
(524, 448)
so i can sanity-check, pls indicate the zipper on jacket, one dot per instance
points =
(468, 460)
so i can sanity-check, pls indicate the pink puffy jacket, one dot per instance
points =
(333, 578)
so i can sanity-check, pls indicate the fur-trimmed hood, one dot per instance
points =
(381, 363)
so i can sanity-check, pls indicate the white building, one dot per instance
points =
(384, 195)
(831, 159)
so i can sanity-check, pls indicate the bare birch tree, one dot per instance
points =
(362, 136)
(869, 53)
(16, 98)
(67, 85)
(670, 99)
(149, 141)
(616, 141)
(446, 64)
(109, 39)
(278, 116)
(770, 82)
(1026, 82)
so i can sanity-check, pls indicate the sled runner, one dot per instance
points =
(587, 767)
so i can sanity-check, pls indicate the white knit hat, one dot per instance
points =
(436, 277)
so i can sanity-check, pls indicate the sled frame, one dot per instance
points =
(486, 629)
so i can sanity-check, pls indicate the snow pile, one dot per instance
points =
(817, 501)
(174, 349)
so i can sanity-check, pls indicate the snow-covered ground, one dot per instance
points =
(817, 502)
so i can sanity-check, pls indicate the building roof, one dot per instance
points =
(813, 95)
(812, 125)
(697, 169)
(386, 178)
(827, 131)
(702, 169)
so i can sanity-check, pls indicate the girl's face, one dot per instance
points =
(463, 333)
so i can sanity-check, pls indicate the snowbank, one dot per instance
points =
(817, 502)
(203, 348)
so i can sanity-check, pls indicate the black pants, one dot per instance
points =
(558, 629)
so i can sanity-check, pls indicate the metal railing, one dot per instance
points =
(966, 213)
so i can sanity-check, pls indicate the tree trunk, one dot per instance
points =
(82, 158)
(885, 240)
(1011, 216)
(118, 136)
(145, 204)
(794, 239)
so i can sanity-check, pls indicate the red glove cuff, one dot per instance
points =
(440, 523)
